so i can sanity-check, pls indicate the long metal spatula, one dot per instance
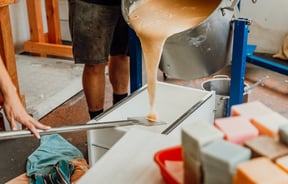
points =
(97, 125)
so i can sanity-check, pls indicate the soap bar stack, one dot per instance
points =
(194, 137)
(269, 149)
(251, 146)
(220, 160)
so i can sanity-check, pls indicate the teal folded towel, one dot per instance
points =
(53, 154)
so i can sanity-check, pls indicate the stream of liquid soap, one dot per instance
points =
(154, 21)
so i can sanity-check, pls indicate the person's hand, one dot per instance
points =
(15, 112)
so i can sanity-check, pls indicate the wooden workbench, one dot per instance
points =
(42, 43)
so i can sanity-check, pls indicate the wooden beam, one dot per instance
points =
(48, 49)
(53, 23)
(7, 45)
(35, 21)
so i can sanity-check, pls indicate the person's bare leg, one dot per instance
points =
(119, 74)
(93, 80)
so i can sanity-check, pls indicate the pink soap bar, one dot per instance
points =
(259, 170)
(176, 170)
(236, 129)
(251, 109)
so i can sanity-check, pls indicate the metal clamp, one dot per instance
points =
(230, 8)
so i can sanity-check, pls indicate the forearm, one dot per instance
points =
(6, 86)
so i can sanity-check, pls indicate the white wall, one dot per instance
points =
(269, 23)
(267, 31)
(19, 23)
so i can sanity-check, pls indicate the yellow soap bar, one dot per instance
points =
(282, 162)
(268, 124)
(251, 109)
(259, 170)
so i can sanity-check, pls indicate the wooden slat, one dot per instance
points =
(48, 49)
(53, 23)
(35, 21)
(7, 45)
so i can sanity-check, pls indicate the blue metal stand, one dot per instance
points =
(238, 62)
(242, 53)
(135, 61)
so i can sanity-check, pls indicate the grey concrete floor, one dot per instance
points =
(47, 82)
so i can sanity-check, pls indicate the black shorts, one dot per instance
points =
(97, 31)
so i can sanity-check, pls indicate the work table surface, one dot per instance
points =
(131, 160)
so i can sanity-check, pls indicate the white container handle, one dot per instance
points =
(221, 77)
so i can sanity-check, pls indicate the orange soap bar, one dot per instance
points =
(236, 129)
(251, 109)
(269, 124)
(282, 162)
(259, 171)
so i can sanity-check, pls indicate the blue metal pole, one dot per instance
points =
(135, 61)
(276, 67)
(238, 62)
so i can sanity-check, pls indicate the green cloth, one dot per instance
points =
(52, 149)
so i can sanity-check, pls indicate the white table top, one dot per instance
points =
(130, 160)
